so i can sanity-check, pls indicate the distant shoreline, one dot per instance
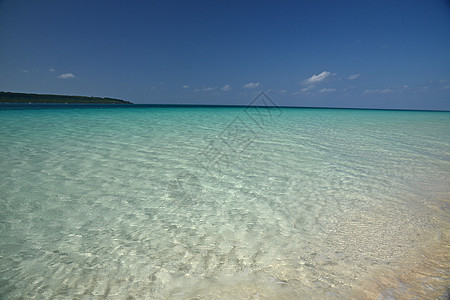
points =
(24, 98)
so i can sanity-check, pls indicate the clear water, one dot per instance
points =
(223, 203)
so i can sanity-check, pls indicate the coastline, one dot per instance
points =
(26, 98)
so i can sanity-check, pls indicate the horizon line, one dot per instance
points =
(218, 106)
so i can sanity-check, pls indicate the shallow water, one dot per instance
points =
(154, 202)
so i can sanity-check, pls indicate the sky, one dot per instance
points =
(365, 54)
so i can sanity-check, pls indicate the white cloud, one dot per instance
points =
(66, 76)
(186, 86)
(208, 89)
(308, 88)
(318, 78)
(25, 71)
(226, 88)
(378, 91)
(446, 87)
(353, 76)
(251, 85)
(51, 70)
(327, 90)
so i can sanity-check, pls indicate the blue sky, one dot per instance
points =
(377, 54)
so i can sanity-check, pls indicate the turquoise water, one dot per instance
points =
(223, 203)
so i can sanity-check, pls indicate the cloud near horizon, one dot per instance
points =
(378, 91)
(66, 76)
(251, 85)
(326, 90)
(308, 88)
(353, 76)
(209, 89)
(226, 88)
(318, 78)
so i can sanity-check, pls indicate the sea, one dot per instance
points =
(200, 202)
